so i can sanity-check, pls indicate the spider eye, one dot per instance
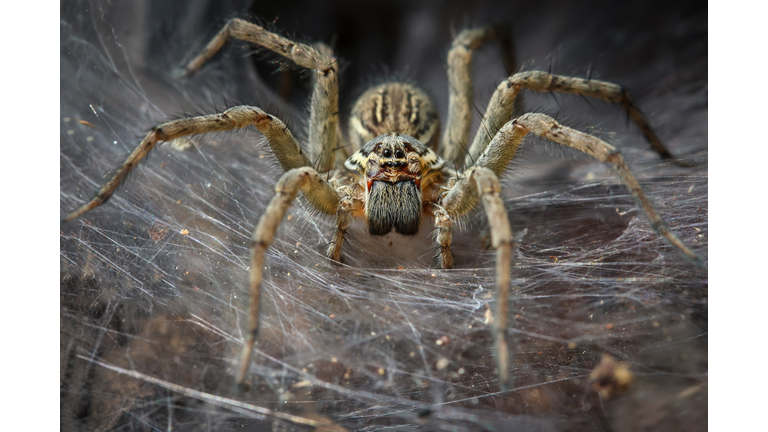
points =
(387, 153)
(399, 154)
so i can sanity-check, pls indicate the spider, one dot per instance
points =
(400, 171)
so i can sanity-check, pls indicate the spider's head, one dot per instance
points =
(392, 167)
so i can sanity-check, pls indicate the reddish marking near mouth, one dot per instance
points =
(393, 175)
(393, 178)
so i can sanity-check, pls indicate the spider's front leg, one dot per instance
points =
(303, 179)
(502, 149)
(481, 183)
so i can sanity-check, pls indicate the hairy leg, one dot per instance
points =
(280, 139)
(343, 217)
(502, 149)
(303, 179)
(324, 129)
(482, 183)
(502, 103)
(460, 90)
(443, 236)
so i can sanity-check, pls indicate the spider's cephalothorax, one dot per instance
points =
(395, 177)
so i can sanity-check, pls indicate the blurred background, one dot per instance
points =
(154, 281)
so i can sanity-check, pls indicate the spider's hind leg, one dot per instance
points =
(460, 90)
(324, 128)
(502, 102)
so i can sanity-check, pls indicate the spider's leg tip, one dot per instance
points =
(241, 388)
(504, 385)
(72, 216)
(697, 261)
(83, 209)
(179, 73)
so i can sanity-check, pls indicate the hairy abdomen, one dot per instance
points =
(394, 107)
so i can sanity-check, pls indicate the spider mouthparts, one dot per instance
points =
(393, 177)
(394, 205)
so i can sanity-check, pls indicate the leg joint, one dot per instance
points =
(532, 80)
(613, 156)
(259, 243)
(658, 226)
(159, 133)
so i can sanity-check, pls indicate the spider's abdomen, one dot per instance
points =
(394, 107)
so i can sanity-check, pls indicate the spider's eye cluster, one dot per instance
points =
(387, 153)
(391, 151)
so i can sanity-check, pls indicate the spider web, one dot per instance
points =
(153, 283)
